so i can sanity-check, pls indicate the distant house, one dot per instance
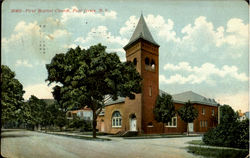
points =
(84, 113)
(243, 116)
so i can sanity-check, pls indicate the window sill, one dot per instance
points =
(150, 126)
(171, 126)
(116, 126)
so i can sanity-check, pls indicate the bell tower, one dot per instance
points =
(143, 51)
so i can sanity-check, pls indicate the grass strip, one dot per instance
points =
(218, 153)
(196, 142)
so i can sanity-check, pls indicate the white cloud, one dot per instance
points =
(41, 91)
(23, 34)
(177, 78)
(73, 14)
(164, 29)
(237, 26)
(31, 40)
(202, 33)
(201, 74)
(30, 28)
(23, 63)
(130, 25)
(101, 34)
(58, 33)
(53, 21)
(238, 101)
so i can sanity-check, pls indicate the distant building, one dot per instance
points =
(84, 113)
(243, 116)
(124, 114)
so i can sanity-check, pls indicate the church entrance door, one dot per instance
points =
(191, 127)
(133, 122)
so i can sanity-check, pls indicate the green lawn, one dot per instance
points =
(196, 142)
(218, 153)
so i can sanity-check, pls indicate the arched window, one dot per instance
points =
(116, 119)
(153, 64)
(147, 61)
(135, 61)
(150, 124)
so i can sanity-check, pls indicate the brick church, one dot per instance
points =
(123, 114)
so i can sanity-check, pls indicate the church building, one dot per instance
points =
(124, 114)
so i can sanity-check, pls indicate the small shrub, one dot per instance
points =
(77, 123)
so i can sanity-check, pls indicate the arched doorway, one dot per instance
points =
(132, 121)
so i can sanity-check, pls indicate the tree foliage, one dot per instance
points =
(34, 111)
(164, 108)
(11, 95)
(87, 77)
(188, 113)
(227, 114)
(60, 119)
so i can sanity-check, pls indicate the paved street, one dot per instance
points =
(28, 144)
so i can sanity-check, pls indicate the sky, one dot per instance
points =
(203, 44)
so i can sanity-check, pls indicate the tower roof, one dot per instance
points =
(141, 31)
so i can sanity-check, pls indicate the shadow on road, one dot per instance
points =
(13, 136)
(11, 130)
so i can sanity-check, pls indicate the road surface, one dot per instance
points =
(28, 144)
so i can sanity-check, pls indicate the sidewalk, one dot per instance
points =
(78, 134)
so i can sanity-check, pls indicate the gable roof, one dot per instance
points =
(193, 97)
(118, 100)
(141, 31)
(178, 98)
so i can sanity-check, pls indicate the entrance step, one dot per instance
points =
(126, 134)
(130, 134)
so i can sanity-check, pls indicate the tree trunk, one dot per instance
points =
(187, 130)
(94, 124)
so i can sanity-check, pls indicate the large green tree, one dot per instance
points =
(34, 111)
(90, 77)
(60, 119)
(49, 115)
(11, 95)
(227, 114)
(164, 109)
(188, 113)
